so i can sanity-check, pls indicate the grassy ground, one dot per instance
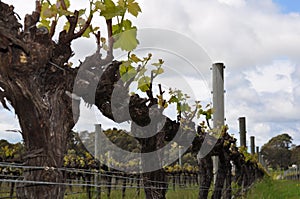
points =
(190, 192)
(274, 189)
(267, 188)
(183, 193)
(180, 193)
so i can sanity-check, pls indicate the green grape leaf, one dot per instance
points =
(99, 6)
(121, 3)
(123, 67)
(105, 47)
(62, 12)
(111, 10)
(160, 62)
(177, 93)
(103, 40)
(127, 25)
(67, 26)
(54, 10)
(110, 13)
(127, 71)
(116, 29)
(59, 5)
(173, 99)
(161, 101)
(158, 71)
(133, 8)
(127, 40)
(81, 12)
(87, 32)
(141, 73)
(185, 107)
(123, 26)
(109, 3)
(45, 23)
(208, 114)
(67, 2)
(199, 113)
(144, 83)
(47, 13)
(81, 22)
(96, 28)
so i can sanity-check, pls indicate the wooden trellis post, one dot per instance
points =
(97, 156)
(252, 144)
(218, 104)
(242, 124)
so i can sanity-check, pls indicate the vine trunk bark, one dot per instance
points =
(35, 80)
(45, 133)
(206, 176)
(153, 174)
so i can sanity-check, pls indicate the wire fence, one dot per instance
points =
(292, 173)
(87, 181)
(77, 172)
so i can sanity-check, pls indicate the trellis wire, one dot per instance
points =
(102, 186)
(94, 172)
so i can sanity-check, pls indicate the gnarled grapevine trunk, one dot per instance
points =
(45, 138)
(154, 177)
(227, 192)
(220, 179)
(35, 81)
(206, 176)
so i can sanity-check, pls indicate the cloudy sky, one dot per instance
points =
(257, 40)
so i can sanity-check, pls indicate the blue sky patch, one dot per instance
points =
(288, 6)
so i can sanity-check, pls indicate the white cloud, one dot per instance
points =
(243, 36)
(261, 131)
(296, 95)
(91, 116)
(268, 97)
(293, 132)
(236, 3)
(8, 121)
(272, 78)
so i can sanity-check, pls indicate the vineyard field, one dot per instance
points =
(274, 189)
(131, 193)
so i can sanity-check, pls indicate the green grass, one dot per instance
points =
(188, 193)
(180, 193)
(267, 188)
(274, 189)
(130, 193)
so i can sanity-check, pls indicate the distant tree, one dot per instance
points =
(295, 155)
(189, 159)
(277, 151)
(11, 152)
(120, 138)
